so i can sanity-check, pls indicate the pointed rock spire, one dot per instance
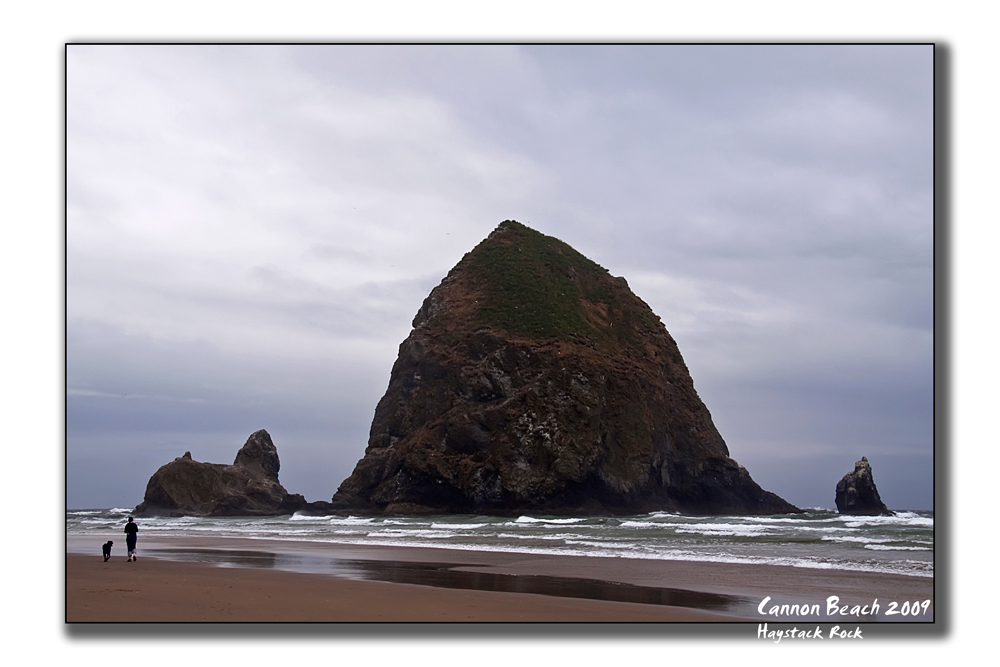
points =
(856, 492)
(533, 380)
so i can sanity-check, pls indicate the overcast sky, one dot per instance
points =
(250, 231)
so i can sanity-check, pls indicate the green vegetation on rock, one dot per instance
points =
(536, 286)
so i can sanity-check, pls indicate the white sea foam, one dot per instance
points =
(769, 519)
(901, 519)
(308, 518)
(350, 521)
(646, 524)
(425, 534)
(723, 529)
(887, 547)
(852, 538)
(609, 546)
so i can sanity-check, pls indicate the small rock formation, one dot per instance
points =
(248, 487)
(856, 493)
(533, 380)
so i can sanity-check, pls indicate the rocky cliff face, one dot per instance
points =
(856, 492)
(185, 487)
(535, 381)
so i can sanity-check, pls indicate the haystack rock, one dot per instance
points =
(534, 381)
(248, 487)
(856, 493)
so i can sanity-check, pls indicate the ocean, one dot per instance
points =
(819, 538)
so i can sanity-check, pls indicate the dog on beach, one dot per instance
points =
(106, 548)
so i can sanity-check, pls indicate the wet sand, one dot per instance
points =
(156, 590)
(183, 580)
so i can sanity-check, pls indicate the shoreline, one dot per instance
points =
(213, 579)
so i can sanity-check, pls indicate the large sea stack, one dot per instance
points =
(535, 381)
(248, 487)
(856, 493)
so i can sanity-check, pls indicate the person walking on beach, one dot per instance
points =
(131, 535)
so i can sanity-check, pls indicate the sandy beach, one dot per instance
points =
(275, 581)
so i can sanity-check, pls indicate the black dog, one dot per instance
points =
(106, 548)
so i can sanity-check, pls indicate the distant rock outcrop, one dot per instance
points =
(856, 493)
(533, 380)
(248, 487)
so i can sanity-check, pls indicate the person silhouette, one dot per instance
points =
(131, 536)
